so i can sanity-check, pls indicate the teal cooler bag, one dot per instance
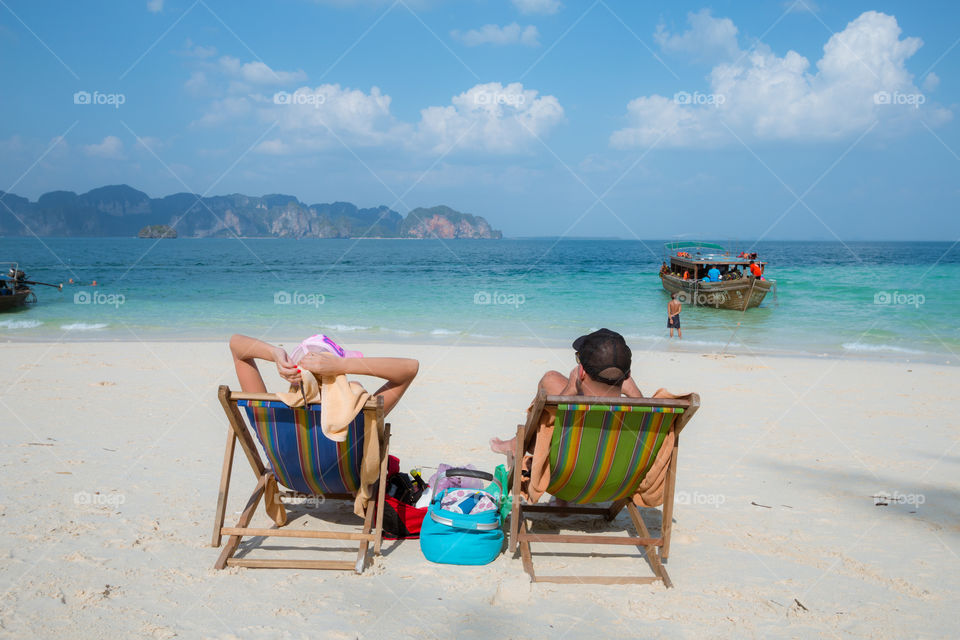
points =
(449, 536)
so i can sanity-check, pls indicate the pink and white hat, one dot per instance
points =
(321, 344)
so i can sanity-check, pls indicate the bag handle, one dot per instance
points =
(469, 473)
(480, 475)
(462, 522)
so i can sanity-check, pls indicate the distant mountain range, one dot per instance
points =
(120, 210)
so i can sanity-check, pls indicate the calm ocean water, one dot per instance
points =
(873, 299)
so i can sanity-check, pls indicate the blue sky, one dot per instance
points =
(792, 120)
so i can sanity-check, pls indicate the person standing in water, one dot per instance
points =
(673, 315)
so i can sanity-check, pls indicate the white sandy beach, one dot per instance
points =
(112, 452)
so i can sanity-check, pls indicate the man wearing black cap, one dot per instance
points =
(603, 369)
(604, 360)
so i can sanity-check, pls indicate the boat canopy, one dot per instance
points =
(688, 254)
(712, 259)
(676, 246)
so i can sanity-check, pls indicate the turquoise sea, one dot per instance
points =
(871, 299)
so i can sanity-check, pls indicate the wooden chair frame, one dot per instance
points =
(239, 432)
(657, 549)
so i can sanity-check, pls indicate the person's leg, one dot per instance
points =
(553, 382)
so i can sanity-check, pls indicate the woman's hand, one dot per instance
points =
(287, 370)
(323, 364)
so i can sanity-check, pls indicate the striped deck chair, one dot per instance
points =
(303, 461)
(601, 452)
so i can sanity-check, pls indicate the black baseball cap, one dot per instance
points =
(604, 355)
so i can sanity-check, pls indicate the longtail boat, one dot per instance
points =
(686, 268)
(15, 288)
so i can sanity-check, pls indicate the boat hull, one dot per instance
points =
(15, 301)
(740, 294)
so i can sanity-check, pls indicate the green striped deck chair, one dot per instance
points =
(305, 464)
(601, 450)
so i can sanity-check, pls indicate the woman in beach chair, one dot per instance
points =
(333, 450)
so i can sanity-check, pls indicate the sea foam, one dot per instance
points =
(20, 324)
(857, 346)
(83, 326)
(345, 327)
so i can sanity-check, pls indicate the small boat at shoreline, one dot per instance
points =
(15, 291)
(686, 274)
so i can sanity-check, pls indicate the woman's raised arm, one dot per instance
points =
(247, 350)
(398, 372)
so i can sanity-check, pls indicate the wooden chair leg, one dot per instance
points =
(364, 544)
(224, 487)
(667, 525)
(525, 552)
(651, 550)
(515, 511)
(381, 489)
(231, 547)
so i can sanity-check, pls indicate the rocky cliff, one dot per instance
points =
(444, 222)
(121, 210)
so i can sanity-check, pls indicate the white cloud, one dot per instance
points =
(110, 147)
(861, 79)
(258, 72)
(490, 117)
(58, 147)
(197, 83)
(492, 34)
(931, 82)
(226, 109)
(329, 116)
(192, 50)
(15, 143)
(708, 38)
(542, 7)
(154, 6)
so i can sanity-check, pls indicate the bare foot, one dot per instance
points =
(505, 447)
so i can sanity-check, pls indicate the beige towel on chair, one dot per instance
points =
(342, 401)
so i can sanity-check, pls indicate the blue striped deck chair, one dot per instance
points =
(600, 451)
(305, 464)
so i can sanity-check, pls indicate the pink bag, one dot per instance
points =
(439, 481)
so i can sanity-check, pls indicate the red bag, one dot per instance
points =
(400, 520)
